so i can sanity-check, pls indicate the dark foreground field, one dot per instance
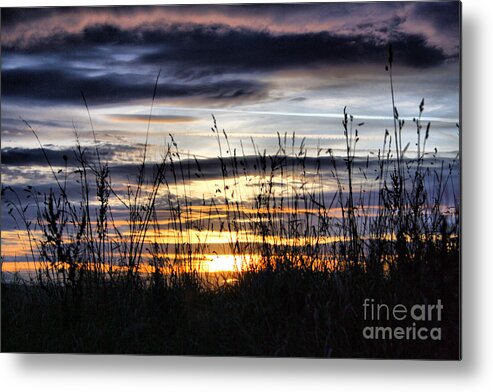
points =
(291, 313)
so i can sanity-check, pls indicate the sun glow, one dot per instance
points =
(227, 263)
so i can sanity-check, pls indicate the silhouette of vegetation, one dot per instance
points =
(310, 255)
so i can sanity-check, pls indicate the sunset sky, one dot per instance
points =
(259, 69)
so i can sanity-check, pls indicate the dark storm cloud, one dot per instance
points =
(206, 169)
(113, 61)
(17, 156)
(233, 49)
(65, 86)
(244, 50)
(200, 58)
(251, 165)
(25, 163)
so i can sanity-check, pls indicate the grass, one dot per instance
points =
(382, 234)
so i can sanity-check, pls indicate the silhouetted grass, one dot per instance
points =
(317, 253)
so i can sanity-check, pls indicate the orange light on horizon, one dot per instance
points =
(227, 263)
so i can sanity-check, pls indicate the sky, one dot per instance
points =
(259, 69)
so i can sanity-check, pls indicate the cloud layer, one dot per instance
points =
(209, 54)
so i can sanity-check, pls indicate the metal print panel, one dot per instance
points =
(232, 180)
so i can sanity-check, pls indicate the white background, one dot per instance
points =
(474, 373)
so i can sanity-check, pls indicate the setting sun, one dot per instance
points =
(227, 263)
